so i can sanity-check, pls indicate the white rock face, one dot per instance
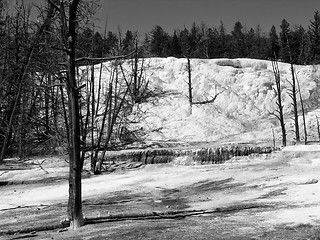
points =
(245, 104)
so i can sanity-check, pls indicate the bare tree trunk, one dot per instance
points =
(46, 105)
(280, 115)
(99, 89)
(293, 96)
(303, 114)
(92, 111)
(318, 126)
(273, 138)
(136, 80)
(68, 27)
(85, 123)
(65, 114)
(94, 168)
(22, 126)
(100, 73)
(190, 97)
(75, 163)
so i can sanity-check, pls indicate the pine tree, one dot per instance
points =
(223, 41)
(194, 38)
(296, 45)
(159, 42)
(314, 30)
(261, 43)
(251, 44)
(128, 43)
(203, 41)
(273, 46)
(99, 50)
(175, 47)
(111, 42)
(285, 41)
(238, 41)
(184, 41)
(213, 43)
(84, 44)
(305, 49)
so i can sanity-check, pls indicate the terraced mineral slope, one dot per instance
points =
(243, 110)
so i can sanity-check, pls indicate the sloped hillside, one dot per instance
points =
(243, 109)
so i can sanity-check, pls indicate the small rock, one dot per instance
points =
(310, 181)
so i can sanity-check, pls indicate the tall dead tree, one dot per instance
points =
(280, 116)
(189, 82)
(68, 30)
(68, 25)
(293, 95)
(303, 113)
(75, 167)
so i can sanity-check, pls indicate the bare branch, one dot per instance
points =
(88, 60)
(208, 101)
(60, 49)
(54, 5)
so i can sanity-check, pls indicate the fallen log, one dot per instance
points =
(30, 235)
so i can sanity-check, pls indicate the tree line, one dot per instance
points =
(201, 41)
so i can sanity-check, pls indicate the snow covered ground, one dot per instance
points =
(287, 182)
(244, 108)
